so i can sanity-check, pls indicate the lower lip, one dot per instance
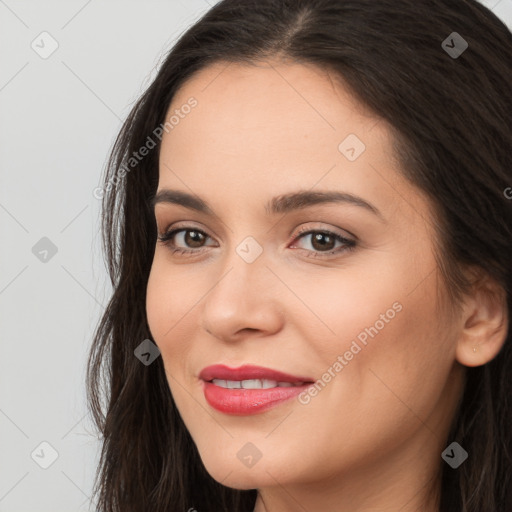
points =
(248, 401)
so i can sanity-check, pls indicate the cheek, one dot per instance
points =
(157, 305)
(172, 292)
(403, 360)
(387, 351)
(170, 299)
(170, 315)
(392, 384)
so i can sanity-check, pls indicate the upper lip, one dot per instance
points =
(248, 372)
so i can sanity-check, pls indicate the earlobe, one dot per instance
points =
(484, 324)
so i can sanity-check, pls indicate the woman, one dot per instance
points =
(309, 238)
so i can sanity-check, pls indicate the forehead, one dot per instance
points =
(274, 127)
(267, 111)
(264, 96)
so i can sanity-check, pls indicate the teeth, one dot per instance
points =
(258, 384)
(253, 384)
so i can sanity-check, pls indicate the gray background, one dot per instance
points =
(58, 118)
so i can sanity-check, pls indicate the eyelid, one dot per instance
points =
(302, 230)
(342, 233)
(184, 225)
(168, 234)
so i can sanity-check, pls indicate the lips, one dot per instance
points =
(248, 372)
(249, 389)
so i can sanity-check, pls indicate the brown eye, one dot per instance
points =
(184, 240)
(193, 238)
(323, 242)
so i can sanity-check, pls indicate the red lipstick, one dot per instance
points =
(249, 389)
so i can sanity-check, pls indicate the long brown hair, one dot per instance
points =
(451, 120)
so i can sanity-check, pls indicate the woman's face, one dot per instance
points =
(359, 316)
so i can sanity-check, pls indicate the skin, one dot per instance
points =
(372, 437)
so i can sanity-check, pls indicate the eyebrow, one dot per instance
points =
(281, 204)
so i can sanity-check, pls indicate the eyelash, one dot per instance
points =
(349, 245)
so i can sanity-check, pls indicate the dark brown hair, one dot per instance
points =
(451, 121)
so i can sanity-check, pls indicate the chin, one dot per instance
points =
(237, 476)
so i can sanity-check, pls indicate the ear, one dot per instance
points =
(484, 323)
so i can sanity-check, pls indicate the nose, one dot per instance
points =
(243, 301)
